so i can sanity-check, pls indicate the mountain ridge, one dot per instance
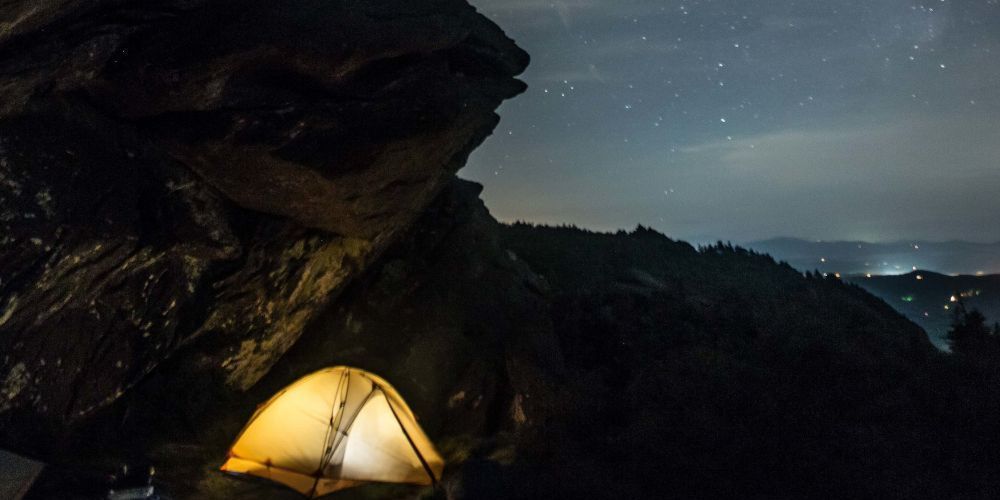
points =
(857, 257)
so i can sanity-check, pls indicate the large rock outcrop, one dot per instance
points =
(459, 325)
(208, 175)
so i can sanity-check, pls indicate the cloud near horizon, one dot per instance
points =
(740, 120)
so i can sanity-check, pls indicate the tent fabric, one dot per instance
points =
(334, 429)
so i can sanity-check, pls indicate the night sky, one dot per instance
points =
(872, 120)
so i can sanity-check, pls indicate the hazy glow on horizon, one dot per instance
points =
(744, 120)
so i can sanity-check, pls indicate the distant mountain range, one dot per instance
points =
(918, 278)
(858, 257)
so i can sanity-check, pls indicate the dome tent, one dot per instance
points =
(334, 429)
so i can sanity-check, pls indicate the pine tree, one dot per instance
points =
(969, 335)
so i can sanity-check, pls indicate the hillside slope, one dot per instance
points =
(555, 362)
(719, 373)
(927, 297)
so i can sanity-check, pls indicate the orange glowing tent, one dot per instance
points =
(334, 429)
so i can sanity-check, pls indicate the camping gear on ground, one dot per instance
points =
(337, 428)
(142, 493)
(132, 483)
(17, 474)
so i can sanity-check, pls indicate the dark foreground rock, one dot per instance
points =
(207, 175)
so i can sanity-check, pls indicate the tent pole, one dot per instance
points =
(427, 467)
(332, 427)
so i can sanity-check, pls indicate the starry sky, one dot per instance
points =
(874, 120)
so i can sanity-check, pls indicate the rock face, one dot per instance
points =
(459, 327)
(207, 176)
(457, 322)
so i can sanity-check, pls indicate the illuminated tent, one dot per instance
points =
(334, 429)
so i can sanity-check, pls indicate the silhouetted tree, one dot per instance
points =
(970, 336)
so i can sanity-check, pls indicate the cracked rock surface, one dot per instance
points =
(206, 176)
